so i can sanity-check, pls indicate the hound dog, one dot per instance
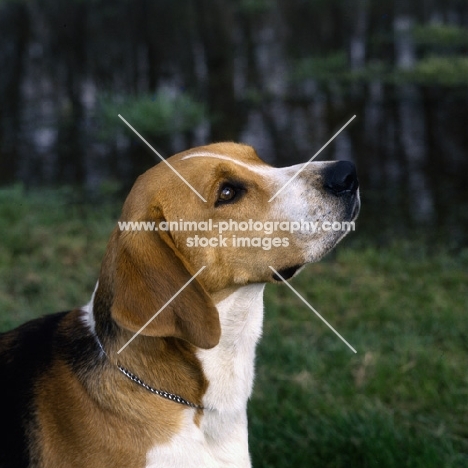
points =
(157, 369)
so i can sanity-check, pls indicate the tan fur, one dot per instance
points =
(108, 420)
(148, 272)
(152, 200)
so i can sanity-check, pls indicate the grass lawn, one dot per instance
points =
(401, 401)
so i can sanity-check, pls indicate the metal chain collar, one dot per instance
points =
(161, 393)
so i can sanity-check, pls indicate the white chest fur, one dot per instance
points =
(229, 367)
(221, 441)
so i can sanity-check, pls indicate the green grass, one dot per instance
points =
(401, 401)
(51, 248)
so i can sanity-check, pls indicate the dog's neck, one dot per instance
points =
(229, 367)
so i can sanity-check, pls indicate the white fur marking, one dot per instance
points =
(187, 449)
(88, 316)
(230, 369)
(251, 167)
(229, 366)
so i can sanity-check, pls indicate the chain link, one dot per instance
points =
(161, 393)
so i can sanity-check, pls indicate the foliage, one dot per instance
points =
(441, 61)
(323, 68)
(255, 7)
(399, 402)
(440, 35)
(437, 71)
(162, 114)
(428, 71)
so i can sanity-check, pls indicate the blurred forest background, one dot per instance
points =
(283, 75)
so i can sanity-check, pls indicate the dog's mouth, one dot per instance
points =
(286, 273)
(356, 209)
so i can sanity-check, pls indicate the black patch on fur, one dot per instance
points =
(286, 273)
(25, 353)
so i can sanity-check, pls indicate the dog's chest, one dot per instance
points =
(221, 438)
(229, 367)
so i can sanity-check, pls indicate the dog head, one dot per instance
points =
(223, 213)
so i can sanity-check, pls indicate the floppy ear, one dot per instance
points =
(149, 271)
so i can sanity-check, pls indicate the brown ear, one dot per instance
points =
(148, 273)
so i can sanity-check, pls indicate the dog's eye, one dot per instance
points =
(227, 193)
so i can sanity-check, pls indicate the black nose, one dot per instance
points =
(340, 178)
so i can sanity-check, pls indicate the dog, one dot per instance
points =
(157, 369)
